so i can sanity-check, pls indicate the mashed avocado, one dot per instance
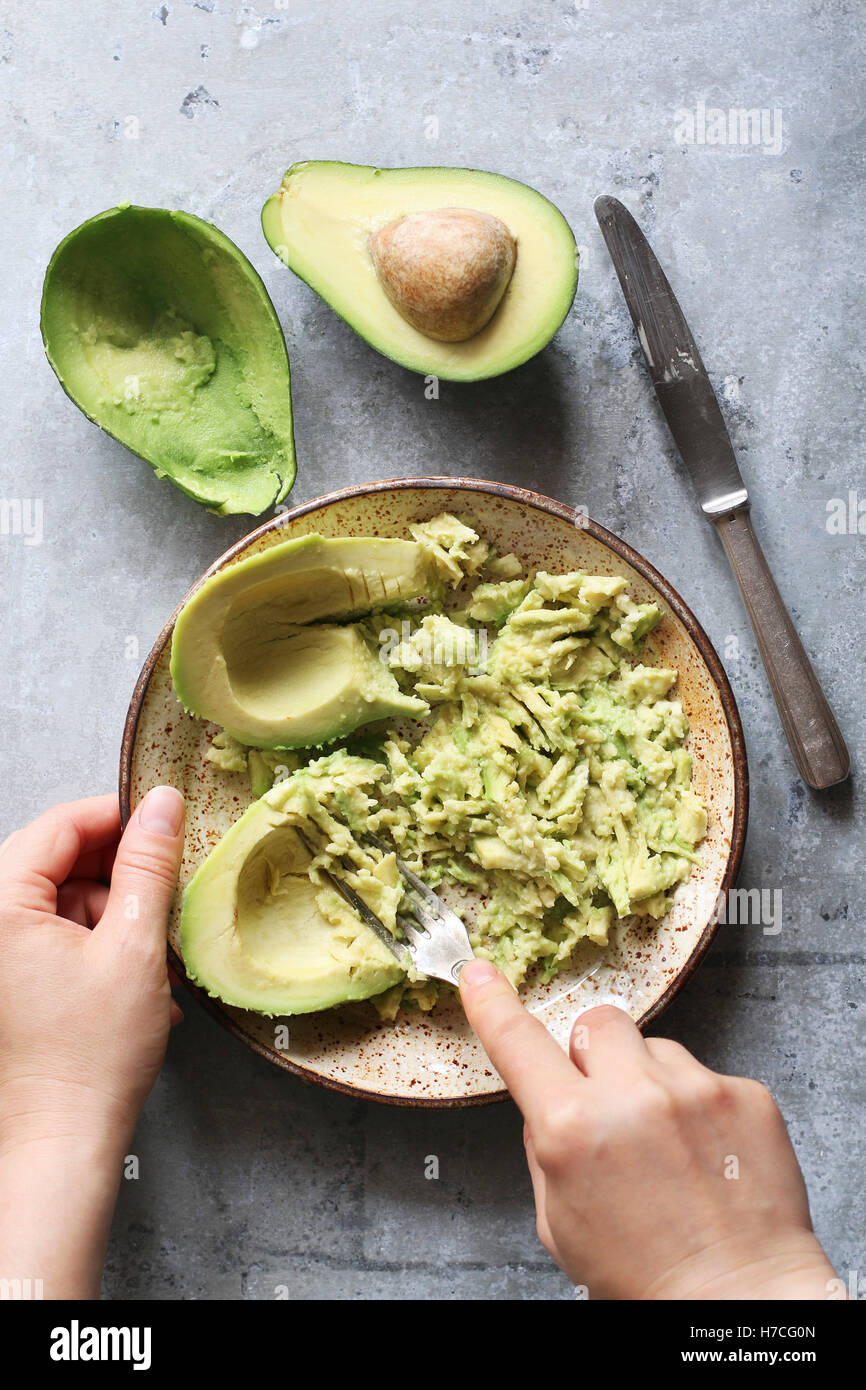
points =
(550, 778)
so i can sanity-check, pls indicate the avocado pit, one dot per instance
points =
(445, 271)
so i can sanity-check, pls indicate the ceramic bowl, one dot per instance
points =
(434, 1059)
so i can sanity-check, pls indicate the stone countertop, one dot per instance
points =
(250, 1182)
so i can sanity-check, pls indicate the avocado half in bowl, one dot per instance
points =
(433, 1059)
(162, 333)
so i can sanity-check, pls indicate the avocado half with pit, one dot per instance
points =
(453, 273)
(251, 651)
(161, 331)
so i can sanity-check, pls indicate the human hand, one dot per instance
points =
(654, 1177)
(85, 1013)
(86, 1004)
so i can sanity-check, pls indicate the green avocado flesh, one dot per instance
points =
(161, 331)
(549, 787)
(320, 221)
(250, 650)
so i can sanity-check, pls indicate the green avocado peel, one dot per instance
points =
(162, 333)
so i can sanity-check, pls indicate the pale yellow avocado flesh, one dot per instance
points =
(320, 221)
(250, 653)
(254, 933)
(316, 683)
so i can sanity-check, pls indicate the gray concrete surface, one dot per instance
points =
(250, 1181)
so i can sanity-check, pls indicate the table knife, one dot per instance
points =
(690, 407)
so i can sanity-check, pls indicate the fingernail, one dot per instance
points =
(477, 972)
(162, 811)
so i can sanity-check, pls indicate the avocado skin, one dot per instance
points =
(233, 451)
(409, 348)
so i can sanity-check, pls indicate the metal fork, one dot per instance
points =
(436, 942)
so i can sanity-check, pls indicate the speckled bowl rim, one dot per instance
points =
(538, 502)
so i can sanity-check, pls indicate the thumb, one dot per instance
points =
(146, 865)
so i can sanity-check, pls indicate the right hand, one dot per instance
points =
(654, 1177)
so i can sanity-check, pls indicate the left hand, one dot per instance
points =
(86, 1005)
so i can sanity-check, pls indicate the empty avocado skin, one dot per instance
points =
(251, 651)
(319, 222)
(161, 332)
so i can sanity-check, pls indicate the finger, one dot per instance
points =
(606, 1044)
(81, 901)
(176, 1014)
(145, 871)
(34, 861)
(539, 1191)
(532, 1065)
(672, 1056)
(536, 1172)
(97, 864)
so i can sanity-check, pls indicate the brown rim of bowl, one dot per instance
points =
(619, 547)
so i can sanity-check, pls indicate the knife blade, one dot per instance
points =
(674, 363)
(692, 411)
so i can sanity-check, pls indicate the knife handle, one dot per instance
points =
(818, 746)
